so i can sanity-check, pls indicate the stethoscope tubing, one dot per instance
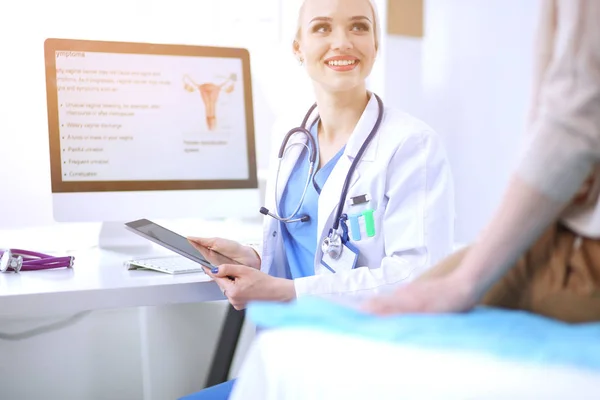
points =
(312, 160)
(34, 261)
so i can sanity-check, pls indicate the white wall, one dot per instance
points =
(470, 79)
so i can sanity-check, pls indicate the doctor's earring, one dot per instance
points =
(300, 61)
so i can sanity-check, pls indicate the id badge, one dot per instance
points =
(346, 262)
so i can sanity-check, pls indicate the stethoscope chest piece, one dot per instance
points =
(8, 260)
(332, 245)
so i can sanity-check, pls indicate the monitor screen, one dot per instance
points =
(146, 117)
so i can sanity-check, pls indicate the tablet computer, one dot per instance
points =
(177, 243)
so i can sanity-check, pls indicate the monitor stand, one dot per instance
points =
(116, 238)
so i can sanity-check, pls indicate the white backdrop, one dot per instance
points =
(469, 78)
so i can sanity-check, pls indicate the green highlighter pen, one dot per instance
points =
(369, 222)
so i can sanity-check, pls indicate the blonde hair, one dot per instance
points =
(376, 28)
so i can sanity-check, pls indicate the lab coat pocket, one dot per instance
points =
(364, 224)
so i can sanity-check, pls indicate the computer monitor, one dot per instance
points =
(140, 130)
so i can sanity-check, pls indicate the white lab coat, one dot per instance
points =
(406, 174)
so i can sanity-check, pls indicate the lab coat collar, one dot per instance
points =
(361, 131)
(332, 190)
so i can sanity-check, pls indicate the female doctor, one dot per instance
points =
(382, 171)
(378, 208)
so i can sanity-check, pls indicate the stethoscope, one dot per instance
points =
(333, 243)
(24, 260)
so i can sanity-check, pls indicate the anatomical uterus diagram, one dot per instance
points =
(210, 92)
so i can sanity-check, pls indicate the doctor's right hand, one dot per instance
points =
(245, 255)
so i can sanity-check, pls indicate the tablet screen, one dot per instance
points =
(178, 243)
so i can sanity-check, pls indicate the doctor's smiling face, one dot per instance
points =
(337, 41)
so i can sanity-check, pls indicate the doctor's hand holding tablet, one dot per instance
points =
(245, 255)
(243, 282)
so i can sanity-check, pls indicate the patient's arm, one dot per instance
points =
(508, 292)
(445, 266)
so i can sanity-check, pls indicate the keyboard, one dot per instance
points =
(167, 264)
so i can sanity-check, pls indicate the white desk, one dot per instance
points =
(99, 281)
(98, 278)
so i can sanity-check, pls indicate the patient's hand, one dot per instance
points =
(245, 255)
(435, 295)
(436, 290)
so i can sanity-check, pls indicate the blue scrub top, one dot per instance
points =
(300, 238)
